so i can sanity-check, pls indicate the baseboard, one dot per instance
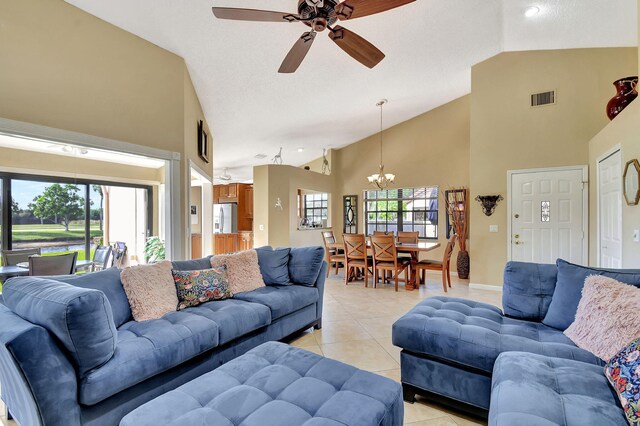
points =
(438, 273)
(486, 287)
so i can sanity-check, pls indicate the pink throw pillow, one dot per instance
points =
(242, 269)
(608, 317)
(150, 289)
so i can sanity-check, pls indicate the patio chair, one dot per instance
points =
(13, 257)
(63, 264)
(101, 258)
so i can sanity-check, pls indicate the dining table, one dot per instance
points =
(22, 269)
(414, 249)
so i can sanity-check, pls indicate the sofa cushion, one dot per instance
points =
(146, 349)
(108, 282)
(80, 318)
(563, 307)
(191, 265)
(242, 268)
(282, 300)
(528, 289)
(150, 290)
(305, 264)
(275, 384)
(473, 334)
(535, 390)
(274, 265)
(205, 285)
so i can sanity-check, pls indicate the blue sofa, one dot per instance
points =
(72, 355)
(510, 365)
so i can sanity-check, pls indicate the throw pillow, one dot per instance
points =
(150, 290)
(196, 287)
(305, 264)
(607, 318)
(623, 372)
(274, 265)
(243, 270)
(566, 296)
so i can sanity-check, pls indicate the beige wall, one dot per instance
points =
(281, 226)
(70, 70)
(196, 200)
(507, 134)
(430, 149)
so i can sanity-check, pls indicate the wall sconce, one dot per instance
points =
(279, 204)
(489, 203)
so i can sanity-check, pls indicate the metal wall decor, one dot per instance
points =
(489, 203)
(631, 182)
(278, 157)
(350, 210)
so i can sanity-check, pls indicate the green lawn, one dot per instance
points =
(46, 235)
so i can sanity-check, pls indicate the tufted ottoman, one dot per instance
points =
(536, 390)
(276, 384)
(450, 346)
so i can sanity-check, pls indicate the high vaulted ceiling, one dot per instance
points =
(430, 47)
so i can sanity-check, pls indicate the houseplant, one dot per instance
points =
(154, 250)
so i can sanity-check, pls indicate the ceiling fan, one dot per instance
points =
(321, 15)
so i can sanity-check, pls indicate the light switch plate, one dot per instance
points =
(636, 235)
(493, 228)
(261, 227)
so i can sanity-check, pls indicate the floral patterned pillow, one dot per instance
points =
(623, 372)
(196, 287)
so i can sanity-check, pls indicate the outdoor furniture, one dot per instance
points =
(444, 266)
(276, 384)
(119, 254)
(23, 269)
(332, 250)
(101, 258)
(64, 264)
(13, 257)
(385, 258)
(355, 254)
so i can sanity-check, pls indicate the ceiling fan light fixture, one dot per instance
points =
(531, 11)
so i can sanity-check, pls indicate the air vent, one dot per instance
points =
(261, 156)
(543, 98)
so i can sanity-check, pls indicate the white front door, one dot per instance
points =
(610, 211)
(548, 215)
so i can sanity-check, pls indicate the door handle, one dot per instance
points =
(518, 243)
(517, 236)
(516, 215)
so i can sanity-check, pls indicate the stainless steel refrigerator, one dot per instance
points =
(225, 218)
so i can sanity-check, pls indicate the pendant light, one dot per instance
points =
(381, 179)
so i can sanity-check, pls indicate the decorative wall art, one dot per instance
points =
(631, 182)
(489, 203)
(350, 209)
(203, 143)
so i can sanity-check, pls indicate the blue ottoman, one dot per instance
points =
(276, 384)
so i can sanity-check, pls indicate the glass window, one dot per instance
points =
(402, 210)
(315, 213)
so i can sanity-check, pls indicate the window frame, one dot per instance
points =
(324, 206)
(397, 219)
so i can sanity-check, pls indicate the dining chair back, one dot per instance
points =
(408, 237)
(356, 259)
(101, 258)
(444, 266)
(385, 258)
(13, 257)
(63, 264)
(382, 233)
(332, 255)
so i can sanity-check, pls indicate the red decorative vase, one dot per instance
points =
(626, 88)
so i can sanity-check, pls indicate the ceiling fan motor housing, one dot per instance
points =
(319, 16)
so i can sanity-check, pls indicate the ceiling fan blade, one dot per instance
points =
(357, 47)
(352, 9)
(297, 53)
(253, 15)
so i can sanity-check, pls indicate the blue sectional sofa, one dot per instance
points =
(510, 365)
(72, 355)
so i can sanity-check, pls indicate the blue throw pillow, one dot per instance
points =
(568, 292)
(108, 282)
(191, 265)
(274, 265)
(623, 372)
(305, 264)
(80, 318)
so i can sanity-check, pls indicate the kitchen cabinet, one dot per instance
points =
(225, 243)
(248, 201)
(196, 246)
(245, 240)
(225, 193)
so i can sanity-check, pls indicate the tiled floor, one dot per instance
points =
(356, 330)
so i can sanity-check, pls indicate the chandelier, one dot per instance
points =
(381, 179)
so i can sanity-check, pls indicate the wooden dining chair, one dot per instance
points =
(64, 264)
(355, 254)
(332, 255)
(13, 257)
(385, 258)
(382, 233)
(435, 265)
(408, 238)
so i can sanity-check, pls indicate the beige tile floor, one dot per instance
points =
(357, 330)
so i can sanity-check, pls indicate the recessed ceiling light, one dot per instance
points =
(300, 149)
(531, 11)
